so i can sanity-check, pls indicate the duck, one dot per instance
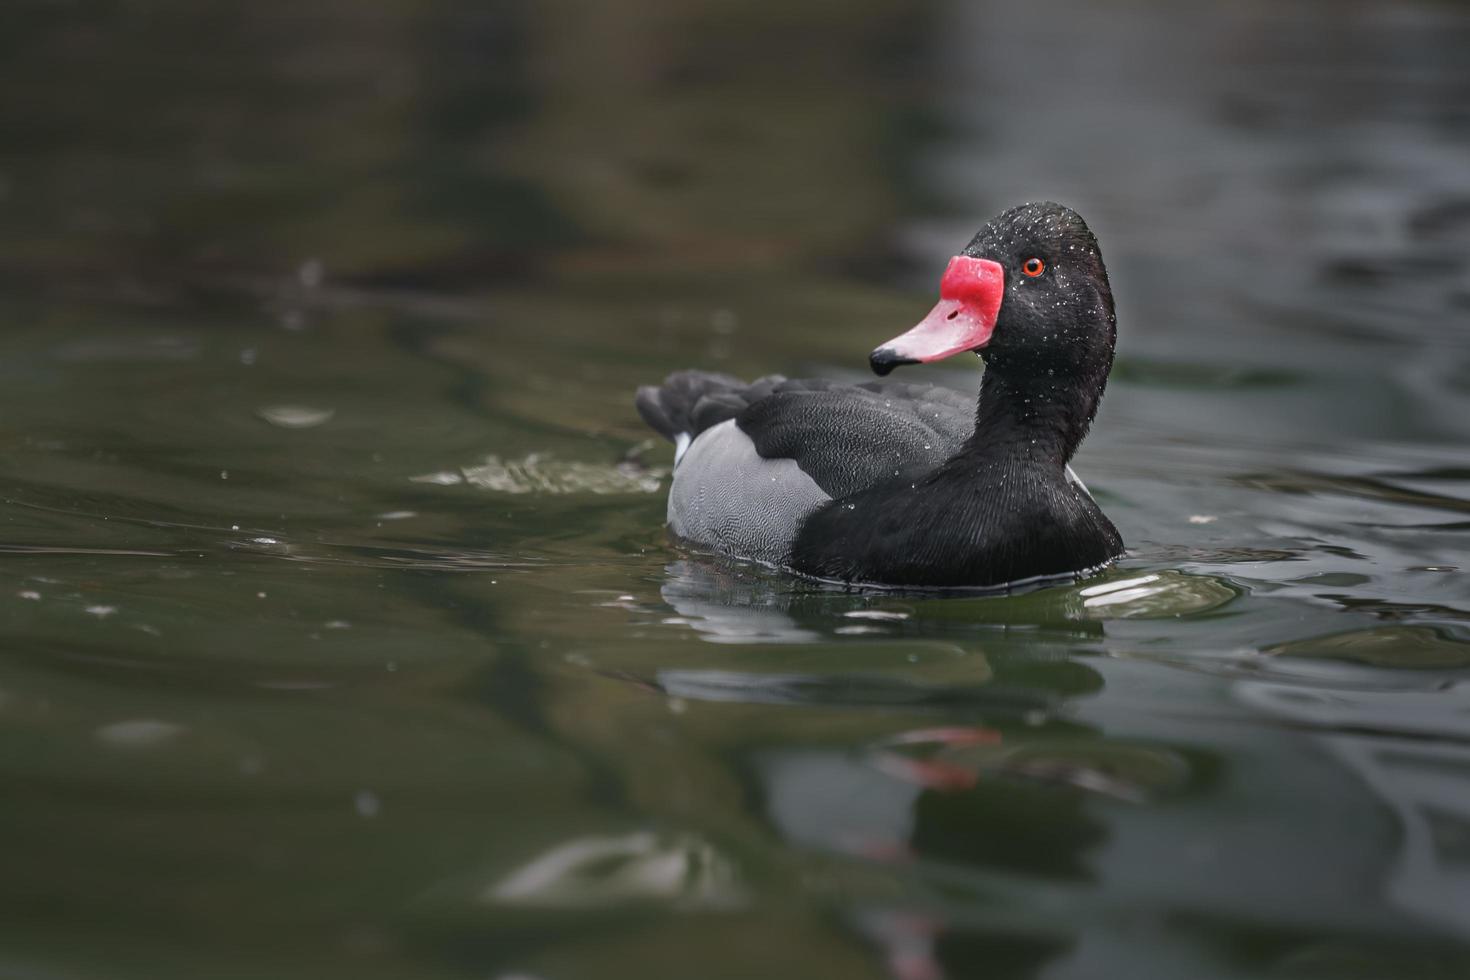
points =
(899, 485)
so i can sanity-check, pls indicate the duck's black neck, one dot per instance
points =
(1035, 417)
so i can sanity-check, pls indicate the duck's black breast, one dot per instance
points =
(964, 524)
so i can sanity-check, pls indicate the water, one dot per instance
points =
(340, 633)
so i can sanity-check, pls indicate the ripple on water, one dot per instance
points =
(295, 416)
(1420, 647)
(138, 733)
(855, 690)
(1120, 593)
(606, 871)
(542, 473)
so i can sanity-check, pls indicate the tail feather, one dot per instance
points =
(689, 402)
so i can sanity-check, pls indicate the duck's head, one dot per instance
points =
(1029, 294)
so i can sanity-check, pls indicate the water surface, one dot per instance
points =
(341, 636)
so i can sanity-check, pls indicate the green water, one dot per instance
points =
(339, 633)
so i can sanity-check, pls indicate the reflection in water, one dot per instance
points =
(937, 821)
(961, 758)
(728, 601)
(1021, 795)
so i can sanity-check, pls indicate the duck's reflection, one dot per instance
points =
(943, 806)
(727, 601)
(1000, 788)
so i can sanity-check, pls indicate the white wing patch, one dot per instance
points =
(681, 446)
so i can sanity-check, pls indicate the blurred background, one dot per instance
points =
(339, 633)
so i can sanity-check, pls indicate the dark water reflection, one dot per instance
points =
(341, 637)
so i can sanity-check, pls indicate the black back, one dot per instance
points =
(851, 437)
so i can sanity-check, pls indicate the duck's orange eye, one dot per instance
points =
(1033, 267)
